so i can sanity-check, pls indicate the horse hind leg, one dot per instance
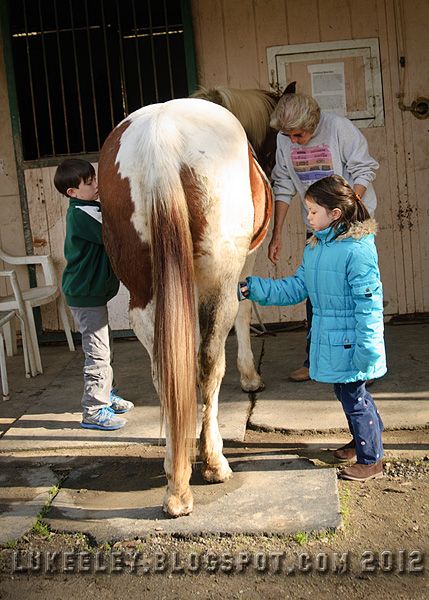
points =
(216, 319)
(250, 379)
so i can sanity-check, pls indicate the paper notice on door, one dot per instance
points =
(328, 86)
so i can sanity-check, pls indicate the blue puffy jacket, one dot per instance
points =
(341, 278)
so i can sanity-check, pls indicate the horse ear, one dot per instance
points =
(290, 88)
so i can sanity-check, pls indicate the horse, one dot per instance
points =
(253, 108)
(184, 202)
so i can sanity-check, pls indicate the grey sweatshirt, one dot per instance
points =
(337, 147)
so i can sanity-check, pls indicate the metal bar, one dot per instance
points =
(106, 55)
(122, 65)
(50, 31)
(91, 70)
(82, 131)
(167, 39)
(176, 28)
(30, 76)
(155, 79)
(48, 94)
(137, 54)
(188, 36)
(63, 95)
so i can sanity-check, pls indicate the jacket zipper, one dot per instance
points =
(316, 294)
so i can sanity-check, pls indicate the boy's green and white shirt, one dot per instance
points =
(88, 279)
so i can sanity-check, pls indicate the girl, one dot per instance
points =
(340, 275)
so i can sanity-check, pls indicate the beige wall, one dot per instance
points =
(11, 227)
(231, 38)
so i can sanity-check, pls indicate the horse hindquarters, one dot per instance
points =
(186, 172)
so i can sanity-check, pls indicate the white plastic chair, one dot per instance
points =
(6, 317)
(37, 296)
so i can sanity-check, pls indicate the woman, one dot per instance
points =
(311, 145)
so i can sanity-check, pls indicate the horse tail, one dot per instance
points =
(174, 347)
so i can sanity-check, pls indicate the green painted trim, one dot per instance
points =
(5, 42)
(188, 33)
(53, 161)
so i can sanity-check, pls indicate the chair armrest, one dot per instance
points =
(15, 288)
(45, 260)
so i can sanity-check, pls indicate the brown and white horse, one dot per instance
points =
(183, 204)
(253, 109)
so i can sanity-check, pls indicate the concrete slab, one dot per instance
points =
(52, 421)
(402, 396)
(23, 494)
(267, 494)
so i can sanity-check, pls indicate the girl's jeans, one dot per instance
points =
(364, 421)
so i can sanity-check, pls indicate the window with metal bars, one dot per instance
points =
(81, 66)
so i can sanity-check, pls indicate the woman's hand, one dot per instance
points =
(274, 249)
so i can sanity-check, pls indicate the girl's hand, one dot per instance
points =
(243, 290)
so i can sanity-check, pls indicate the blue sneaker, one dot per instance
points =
(103, 419)
(118, 404)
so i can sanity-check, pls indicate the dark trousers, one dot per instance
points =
(364, 421)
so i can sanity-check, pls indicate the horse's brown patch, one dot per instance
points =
(197, 218)
(262, 202)
(130, 257)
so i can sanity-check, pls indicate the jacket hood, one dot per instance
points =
(357, 231)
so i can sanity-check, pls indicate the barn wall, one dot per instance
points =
(231, 37)
(11, 226)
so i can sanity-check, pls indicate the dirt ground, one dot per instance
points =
(382, 551)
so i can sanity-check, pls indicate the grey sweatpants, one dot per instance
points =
(93, 325)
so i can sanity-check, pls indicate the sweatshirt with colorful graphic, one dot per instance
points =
(337, 147)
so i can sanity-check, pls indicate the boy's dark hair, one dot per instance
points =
(335, 192)
(71, 172)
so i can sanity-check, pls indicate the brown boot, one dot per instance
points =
(301, 374)
(346, 452)
(361, 472)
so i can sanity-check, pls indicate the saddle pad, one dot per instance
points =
(262, 202)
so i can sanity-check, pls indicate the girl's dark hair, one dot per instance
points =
(335, 192)
(71, 172)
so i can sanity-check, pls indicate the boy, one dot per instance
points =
(88, 284)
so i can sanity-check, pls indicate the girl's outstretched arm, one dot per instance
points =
(280, 292)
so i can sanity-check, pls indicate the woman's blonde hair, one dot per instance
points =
(296, 111)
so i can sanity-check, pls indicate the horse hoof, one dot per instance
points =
(216, 474)
(178, 506)
(252, 385)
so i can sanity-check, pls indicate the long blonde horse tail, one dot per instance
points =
(173, 286)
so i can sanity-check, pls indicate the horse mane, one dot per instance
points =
(252, 108)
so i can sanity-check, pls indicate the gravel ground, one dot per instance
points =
(380, 552)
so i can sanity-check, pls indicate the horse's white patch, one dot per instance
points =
(203, 136)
